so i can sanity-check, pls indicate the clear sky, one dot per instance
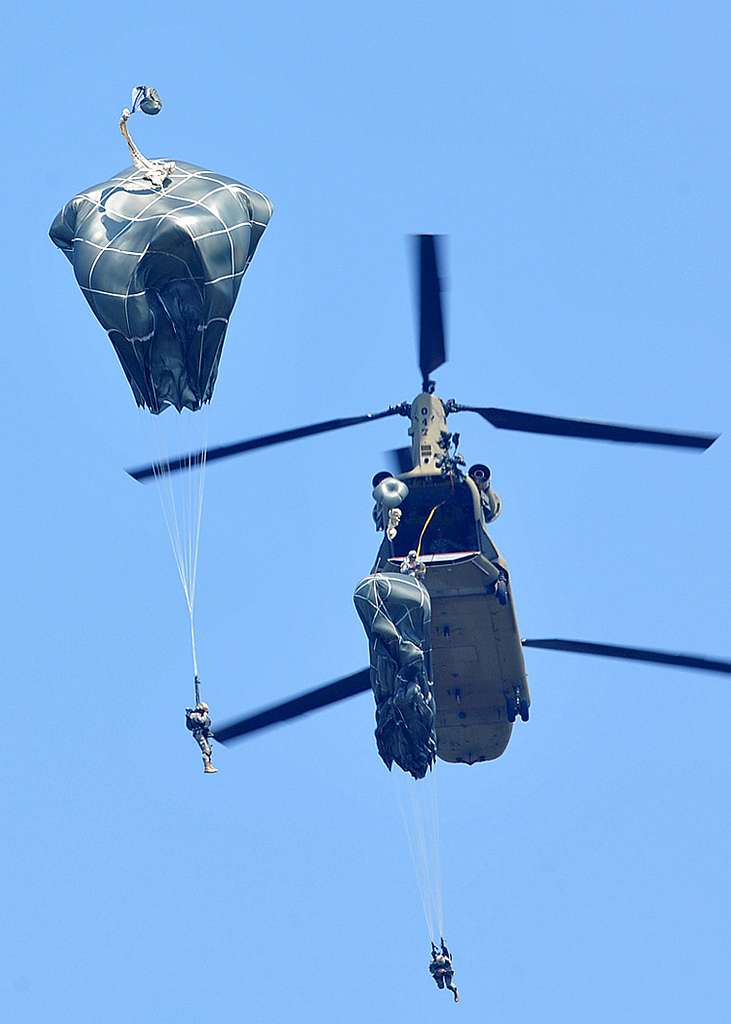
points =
(577, 156)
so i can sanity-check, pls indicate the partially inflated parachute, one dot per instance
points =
(395, 610)
(161, 267)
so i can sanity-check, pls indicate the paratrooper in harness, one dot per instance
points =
(198, 721)
(441, 969)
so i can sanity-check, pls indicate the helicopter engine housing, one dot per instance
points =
(480, 473)
(490, 501)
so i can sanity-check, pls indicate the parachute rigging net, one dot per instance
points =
(181, 498)
(419, 806)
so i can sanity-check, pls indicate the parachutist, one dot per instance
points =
(198, 721)
(441, 969)
(394, 519)
(412, 565)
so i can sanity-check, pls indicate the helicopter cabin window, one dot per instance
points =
(452, 527)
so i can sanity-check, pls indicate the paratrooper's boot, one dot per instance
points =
(208, 768)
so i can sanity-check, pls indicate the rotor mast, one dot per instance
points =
(428, 424)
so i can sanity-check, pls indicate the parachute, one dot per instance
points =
(395, 610)
(159, 251)
(161, 269)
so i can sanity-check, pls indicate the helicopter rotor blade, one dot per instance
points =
(432, 347)
(295, 707)
(633, 654)
(509, 419)
(225, 451)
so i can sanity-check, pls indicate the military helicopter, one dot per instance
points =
(479, 677)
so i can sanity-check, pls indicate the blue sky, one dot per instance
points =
(577, 156)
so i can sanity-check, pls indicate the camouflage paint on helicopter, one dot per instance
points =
(161, 269)
(395, 610)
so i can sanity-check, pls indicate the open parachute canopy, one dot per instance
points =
(161, 266)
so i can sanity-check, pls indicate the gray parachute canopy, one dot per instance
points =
(161, 269)
(396, 613)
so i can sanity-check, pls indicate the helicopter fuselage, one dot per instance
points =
(480, 683)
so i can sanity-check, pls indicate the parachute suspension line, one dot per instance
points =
(181, 501)
(419, 806)
(437, 850)
(195, 515)
(199, 511)
(418, 864)
(430, 807)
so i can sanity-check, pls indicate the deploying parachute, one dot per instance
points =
(159, 251)
(395, 610)
(161, 266)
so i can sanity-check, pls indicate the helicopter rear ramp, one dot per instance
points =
(478, 662)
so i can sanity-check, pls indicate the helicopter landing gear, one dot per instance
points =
(516, 705)
(501, 589)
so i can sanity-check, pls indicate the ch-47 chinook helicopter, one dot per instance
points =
(479, 677)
